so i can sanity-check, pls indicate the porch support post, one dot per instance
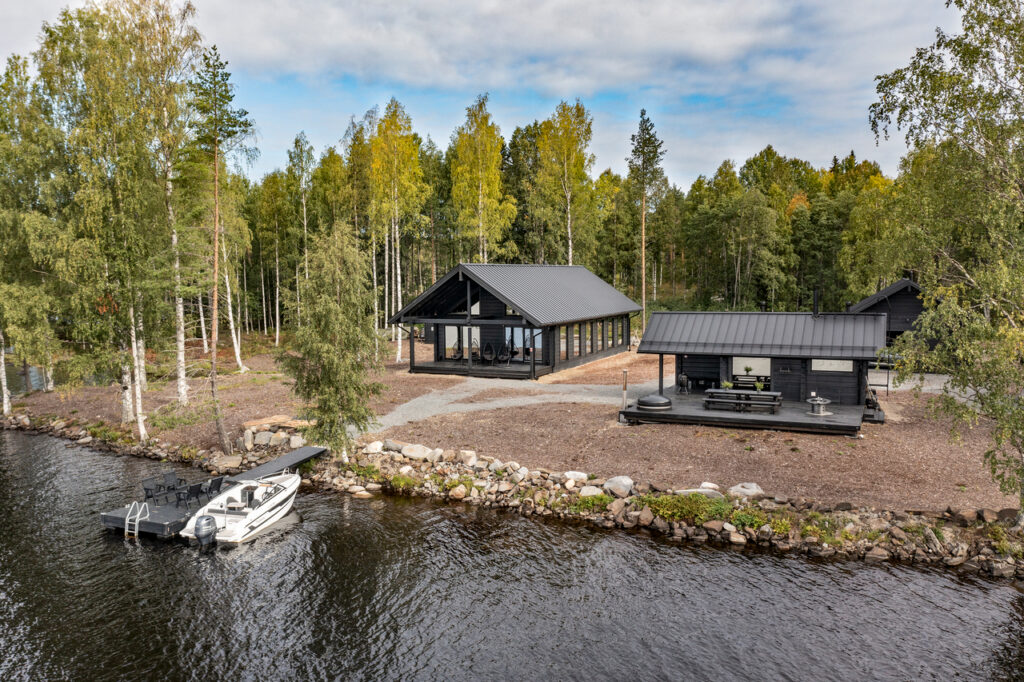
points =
(412, 347)
(468, 350)
(661, 374)
(533, 355)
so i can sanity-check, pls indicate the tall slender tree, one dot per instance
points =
(565, 162)
(644, 172)
(483, 209)
(219, 130)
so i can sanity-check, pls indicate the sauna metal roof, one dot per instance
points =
(827, 335)
(891, 290)
(544, 295)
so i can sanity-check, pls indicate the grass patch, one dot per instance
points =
(749, 517)
(780, 525)
(176, 415)
(100, 431)
(593, 503)
(403, 483)
(695, 509)
(369, 472)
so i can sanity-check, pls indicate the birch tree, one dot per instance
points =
(484, 211)
(565, 162)
(398, 187)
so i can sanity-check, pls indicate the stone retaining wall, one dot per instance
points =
(975, 541)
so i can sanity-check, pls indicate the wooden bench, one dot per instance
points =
(741, 400)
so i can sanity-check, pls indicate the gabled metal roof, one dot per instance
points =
(892, 289)
(544, 295)
(827, 335)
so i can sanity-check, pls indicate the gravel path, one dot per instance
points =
(452, 400)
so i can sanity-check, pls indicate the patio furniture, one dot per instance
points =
(741, 400)
(212, 487)
(818, 406)
(503, 354)
(153, 489)
(488, 353)
(171, 481)
(187, 494)
(683, 384)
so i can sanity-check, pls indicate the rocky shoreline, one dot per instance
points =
(984, 541)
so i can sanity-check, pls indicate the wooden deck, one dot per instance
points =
(497, 370)
(792, 416)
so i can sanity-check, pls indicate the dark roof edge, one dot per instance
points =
(888, 291)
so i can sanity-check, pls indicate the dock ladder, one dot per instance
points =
(136, 514)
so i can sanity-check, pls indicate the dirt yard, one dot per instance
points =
(906, 465)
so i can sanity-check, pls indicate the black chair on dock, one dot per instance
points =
(212, 487)
(153, 489)
(187, 494)
(171, 482)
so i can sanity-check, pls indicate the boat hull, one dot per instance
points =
(234, 526)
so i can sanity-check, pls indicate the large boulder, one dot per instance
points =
(458, 492)
(263, 438)
(419, 453)
(577, 476)
(589, 491)
(751, 490)
(619, 486)
(467, 457)
(278, 438)
(247, 440)
(374, 448)
(710, 493)
(296, 441)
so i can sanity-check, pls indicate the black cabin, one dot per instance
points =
(795, 354)
(900, 301)
(517, 321)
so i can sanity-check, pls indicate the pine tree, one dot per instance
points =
(219, 130)
(644, 171)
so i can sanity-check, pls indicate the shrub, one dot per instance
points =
(695, 508)
(593, 503)
(780, 526)
(369, 472)
(403, 483)
(749, 517)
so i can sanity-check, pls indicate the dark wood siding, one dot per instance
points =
(788, 377)
(702, 371)
(491, 307)
(839, 387)
(902, 310)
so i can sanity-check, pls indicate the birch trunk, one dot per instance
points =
(398, 286)
(140, 418)
(222, 433)
(236, 341)
(298, 300)
(48, 377)
(127, 408)
(387, 279)
(264, 313)
(277, 296)
(245, 298)
(202, 326)
(5, 395)
(140, 352)
(376, 306)
(179, 303)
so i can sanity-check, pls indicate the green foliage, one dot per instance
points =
(780, 525)
(586, 505)
(367, 473)
(174, 415)
(403, 483)
(748, 517)
(332, 354)
(695, 509)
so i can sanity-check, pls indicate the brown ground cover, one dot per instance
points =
(906, 465)
(609, 370)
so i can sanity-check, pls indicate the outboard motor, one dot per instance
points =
(206, 530)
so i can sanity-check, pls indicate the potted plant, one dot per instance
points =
(748, 369)
(758, 386)
(727, 385)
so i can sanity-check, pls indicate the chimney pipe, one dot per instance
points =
(814, 310)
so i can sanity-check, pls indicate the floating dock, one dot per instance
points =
(166, 520)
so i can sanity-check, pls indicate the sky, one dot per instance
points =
(719, 79)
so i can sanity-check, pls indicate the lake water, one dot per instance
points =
(403, 589)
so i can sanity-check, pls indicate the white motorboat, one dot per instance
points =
(244, 509)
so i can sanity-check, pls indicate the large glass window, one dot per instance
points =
(831, 365)
(759, 367)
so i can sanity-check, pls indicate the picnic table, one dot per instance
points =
(741, 400)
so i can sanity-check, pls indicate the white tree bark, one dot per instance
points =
(235, 341)
(202, 326)
(277, 296)
(264, 312)
(140, 352)
(398, 283)
(140, 418)
(298, 300)
(5, 394)
(127, 407)
(48, 376)
(376, 305)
